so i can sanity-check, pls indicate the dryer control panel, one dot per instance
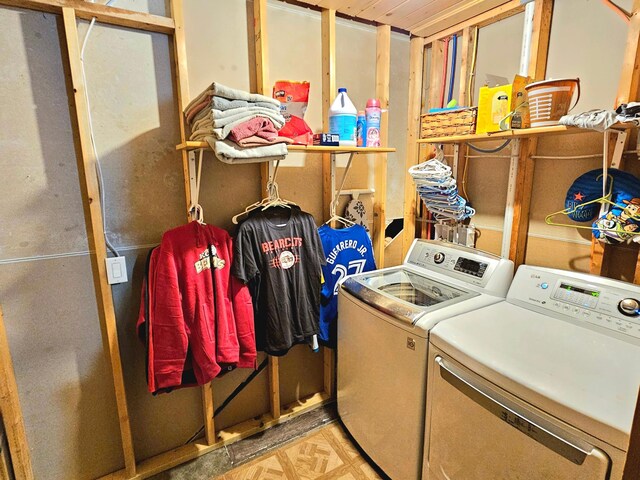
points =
(600, 301)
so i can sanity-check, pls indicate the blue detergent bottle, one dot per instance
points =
(342, 119)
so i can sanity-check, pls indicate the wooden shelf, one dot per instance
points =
(509, 134)
(302, 148)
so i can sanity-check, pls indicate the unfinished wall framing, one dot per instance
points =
(70, 12)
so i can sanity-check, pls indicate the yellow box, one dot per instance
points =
(496, 103)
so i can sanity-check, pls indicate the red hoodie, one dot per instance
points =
(195, 305)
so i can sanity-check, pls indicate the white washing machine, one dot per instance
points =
(542, 386)
(384, 321)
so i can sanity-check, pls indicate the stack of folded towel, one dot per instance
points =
(240, 127)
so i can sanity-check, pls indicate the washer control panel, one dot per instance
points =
(607, 303)
(461, 262)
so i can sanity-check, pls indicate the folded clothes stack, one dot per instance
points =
(240, 127)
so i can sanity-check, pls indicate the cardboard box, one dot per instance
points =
(326, 139)
(503, 102)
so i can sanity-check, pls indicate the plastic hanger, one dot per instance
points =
(272, 199)
(334, 217)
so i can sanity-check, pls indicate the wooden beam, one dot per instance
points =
(468, 41)
(12, 412)
(543, 12)
(413, 128)
(630, 78)
(383, 76)
(182, 88)
(632, 462)
(263, 87)
(109, 15)
(328, 93)
(542, 15)
(602, 256)
(91, 196)
(494, 15)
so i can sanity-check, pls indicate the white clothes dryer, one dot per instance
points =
(383, 327)
(542, 386)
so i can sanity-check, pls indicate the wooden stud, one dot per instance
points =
(383, 76)
(522, 201)
(89, 186)
(413, 128)
(261, 44)
(542, 15)
(328, 92)
(182, 88)
(524, 180)
(632, 462)
(602, 256)
(508, 9)
(12, 412)
(262, 85)
(110, 15)
(468, 39)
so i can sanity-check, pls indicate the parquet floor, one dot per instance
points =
(323, 454)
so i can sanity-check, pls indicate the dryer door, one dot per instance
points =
(476, 432)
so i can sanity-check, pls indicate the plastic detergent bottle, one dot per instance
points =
(342, 119)
(373, 122)
(361, 129)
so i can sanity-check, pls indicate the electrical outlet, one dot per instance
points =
(116, 270)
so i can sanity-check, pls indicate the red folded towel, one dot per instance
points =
(259, 126)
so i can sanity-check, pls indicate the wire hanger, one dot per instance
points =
(272, 199)
(196, 211)
(334, 217)
(604, 200)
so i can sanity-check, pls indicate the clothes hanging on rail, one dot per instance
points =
(348, 251)
(195, 318)
(281, 262)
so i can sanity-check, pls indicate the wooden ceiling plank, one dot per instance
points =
(328, 4)
(460, 14)
(406, 14)
(379, 9)
(354, 7)
(496, 14)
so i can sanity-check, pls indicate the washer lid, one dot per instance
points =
(402, 293)
(587, 379)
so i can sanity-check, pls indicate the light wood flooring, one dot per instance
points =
(327, 453)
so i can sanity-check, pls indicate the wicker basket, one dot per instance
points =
(461, 121)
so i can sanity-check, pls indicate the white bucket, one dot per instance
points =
(550, 99)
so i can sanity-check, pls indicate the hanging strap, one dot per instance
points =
(336, 198)
(195, 209)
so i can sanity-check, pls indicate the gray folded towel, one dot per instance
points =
(230, 152)
(221, 103)
(219, 90)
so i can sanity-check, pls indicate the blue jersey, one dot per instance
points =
(348, 251)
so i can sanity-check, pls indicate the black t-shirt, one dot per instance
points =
(281, 260)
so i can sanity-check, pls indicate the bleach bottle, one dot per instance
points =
(342, 119)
